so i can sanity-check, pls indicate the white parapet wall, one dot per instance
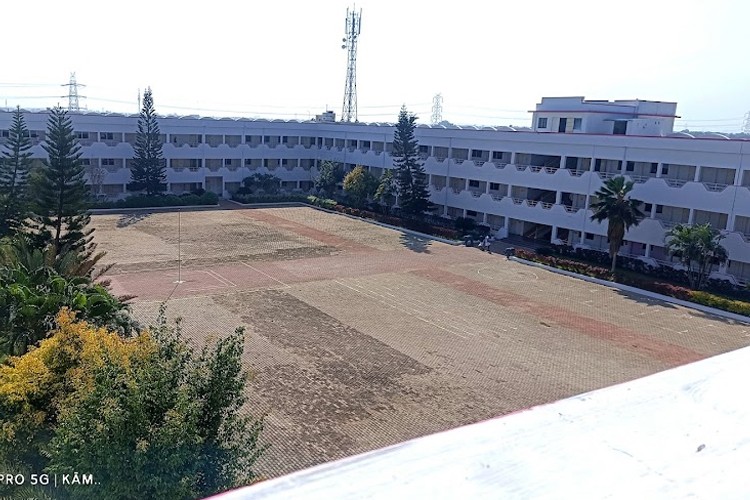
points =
(681, 433)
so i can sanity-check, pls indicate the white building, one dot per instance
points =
(536, 184)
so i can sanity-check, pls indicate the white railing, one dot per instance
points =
(521, 168)
(715, 186)
(518, 201)
(476, 194)
(497, 197)
(546, 205)
(669, 224)
(535, 168)
(640, 179)
(675, 182)
(532, 203)
(456, 190)
(440, 159)
(550, 170)
(500, 165)
(607, 175)
(458, 161)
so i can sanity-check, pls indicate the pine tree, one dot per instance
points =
(411, 178)
(60, 192)
(14, 170)
(149, 171)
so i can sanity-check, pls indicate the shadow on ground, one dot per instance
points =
(130, 219)
(415, 243)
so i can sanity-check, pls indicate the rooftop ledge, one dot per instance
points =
(676, 434)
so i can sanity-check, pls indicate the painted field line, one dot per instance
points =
(221, 278)
(209, 295)
(265, 274)
(401, 310)
(429, 310)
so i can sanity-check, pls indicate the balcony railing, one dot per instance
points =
(715, 186)
(676, 183)
(500, 164)
(518, 201)
(640, 179)
(576, 173)
(608, 175)
(571, 209)
(521, 168)
(546, 205)
(497, 196)
(551, 170)
(535, 168)
(532, 203)
(456, 190)
(669, 224)
(458, 161)
(476, 194)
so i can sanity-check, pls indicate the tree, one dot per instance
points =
(359, 185)
(329, 175)
(414, 196)
(148, 417)
(268, 183)
(386, 190)
(35, 284)
(698, 248)
(149, 171)
(14, 170)
(619, 210)
(96, 176)
(60, 192)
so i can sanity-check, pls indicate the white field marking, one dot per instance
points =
(403, 311)
(221, 278)
(468, 325)
(434, 311)
(265, 274)
(209, 295)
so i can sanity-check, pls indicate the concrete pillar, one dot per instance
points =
(738, 177)
(562, 161)
(648, 251)
(659, 169)
(653, 211)
(484, 218)
(299, 184)
(691, 217)
(730, 221)
(513, 157)
(554, 233)
(486, 188)
(509, 191)
(697, 177)
(558, 197)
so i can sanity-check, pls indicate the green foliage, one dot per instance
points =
(149, 169)
(60, 193)
(711, 300)
(270, 198)
(15, 164)
(386, 190)
(322, 202)
(698, 248)
(619, 210)
(148, 417)
(268, 183)
(35, 284)
(329, 175)
(465, 224)
(411, 178)
(359, 185)
(145, 201)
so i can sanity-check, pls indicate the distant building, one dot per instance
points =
(326, 116)
(536, 184)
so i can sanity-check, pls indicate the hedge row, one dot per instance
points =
(171, 200)
(668, 289)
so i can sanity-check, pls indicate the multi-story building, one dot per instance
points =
(536, 183)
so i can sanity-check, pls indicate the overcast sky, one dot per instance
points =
(491, 60)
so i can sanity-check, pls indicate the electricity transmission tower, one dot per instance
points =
(352, 29)
(746, 124)
(437, 109)
(73, 97)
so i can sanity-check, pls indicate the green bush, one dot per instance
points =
(711, 300)
(171, 200)
(269, 198)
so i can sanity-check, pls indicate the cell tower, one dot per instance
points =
(352, 29)
(746, 123)
(73, 102)
(437, 109)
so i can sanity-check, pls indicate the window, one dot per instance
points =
(494, 186)
(620, 127)
(541, 123)
(589, 236)
(630, 166)
(598, 165)
(497, 155)
(248, 161)
(228, 162)
(474, 184)
(654, 167)
(659, 208)
(284, 139)
(647, 208)
(664, 169)
(85, 162)
(6, 133)
(106, 136)
(248, 138)
(108, 162)
(82, 135)
(471, 213)
(577, 123)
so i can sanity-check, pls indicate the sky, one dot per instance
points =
(491, 61)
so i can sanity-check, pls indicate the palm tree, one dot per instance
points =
(619, 210)
(698, 248)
